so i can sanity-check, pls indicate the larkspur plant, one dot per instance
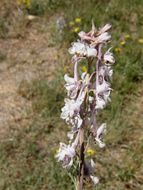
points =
(87, 95)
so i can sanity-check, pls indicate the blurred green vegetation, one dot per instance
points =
(27, 153)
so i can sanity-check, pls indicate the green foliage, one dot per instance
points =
(27, 162)
(36, 7)
(3, 28)
(47, 98)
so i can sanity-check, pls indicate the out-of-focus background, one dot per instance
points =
(34, 38)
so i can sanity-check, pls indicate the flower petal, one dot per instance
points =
(94, 179)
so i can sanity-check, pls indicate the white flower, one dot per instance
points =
(71, 107)
(76, 122)
(102, 98)
(90, 99)
(77, 48)
(91, 52)
(100, 131)
(108, 71)
(105, 71)
(66, 110)
(65, 155)
(70, 112)
(70, 135)
(102, 94)
(82, 49)
(68, 79)
(92, 163)
(108, 57)
(94, 179)
(100, 103)
(107, 96)
(72, 86)
(70, 82)
(101, 88)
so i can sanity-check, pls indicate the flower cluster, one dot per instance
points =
(75, 25)
(87, 93)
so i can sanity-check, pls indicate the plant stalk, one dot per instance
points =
(81, 165)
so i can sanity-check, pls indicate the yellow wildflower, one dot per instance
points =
(56, 151)
(78, 20)
(90, 152)
(76, 29)
(66, 68)
(122, 43)
(19, 2)
(26, 3)
(71, 23)
(84, 69)
(118, 50)
(127, 36)
(140, 40)
(31, 17)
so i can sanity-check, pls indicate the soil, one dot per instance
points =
(28, 58)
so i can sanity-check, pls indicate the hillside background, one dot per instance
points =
(34, 38)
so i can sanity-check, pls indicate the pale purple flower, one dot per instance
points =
(100, 102)
(82, 49)
(108, 71)
(91, 52)
(96, 37)
(72, 86)
(65, 155)
(86, 36)
(108, 57)
(70, 112)
(75, 122)
(92, 163)
(104, 37)
(100, 132)
(94, 179)
(70, 135)
(104, 29)
(90, 36)
(78, 48)
(103, 88)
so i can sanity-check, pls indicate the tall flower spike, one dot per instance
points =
(87, 94)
